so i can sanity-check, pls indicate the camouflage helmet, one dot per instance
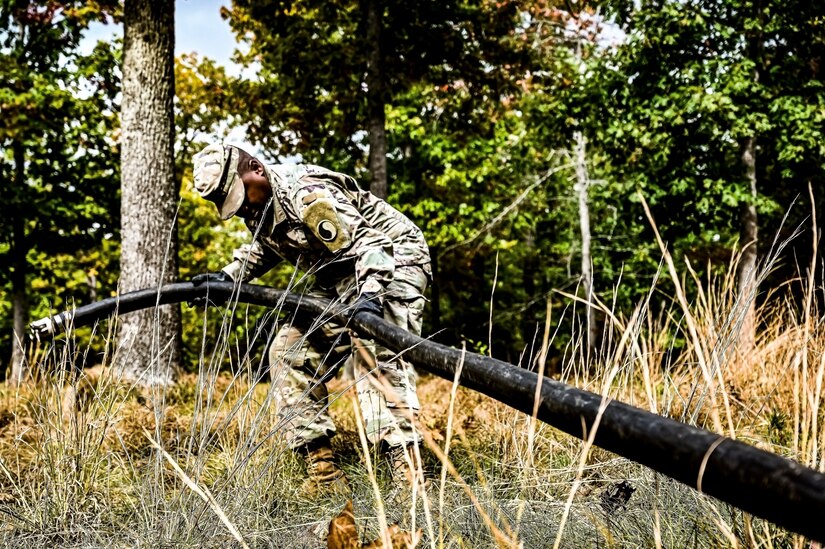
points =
(216, 178)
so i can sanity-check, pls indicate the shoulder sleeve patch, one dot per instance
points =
(310, 198)
(323, 220)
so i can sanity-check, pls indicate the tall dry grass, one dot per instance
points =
(90, 461)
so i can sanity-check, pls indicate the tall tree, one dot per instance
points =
(582, 186)
(329, 69)
(717, 113)
(749, 224)
(565, 105)
(376, 99)
(149, 341)
(58, 153)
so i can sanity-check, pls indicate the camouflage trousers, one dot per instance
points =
(302, 361)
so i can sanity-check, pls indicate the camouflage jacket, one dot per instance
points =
(323, 223)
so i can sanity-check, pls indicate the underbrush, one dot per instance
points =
(89, 460)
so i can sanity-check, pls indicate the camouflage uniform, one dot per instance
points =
(353, 243)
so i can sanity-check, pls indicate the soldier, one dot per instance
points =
(363, 253)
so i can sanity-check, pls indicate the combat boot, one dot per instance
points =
(324, 474)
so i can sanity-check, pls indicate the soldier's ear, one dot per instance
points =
(255, 166)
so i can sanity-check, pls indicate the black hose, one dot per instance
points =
(758, 482)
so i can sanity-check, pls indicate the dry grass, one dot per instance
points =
(90, 461)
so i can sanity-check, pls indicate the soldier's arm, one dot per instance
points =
(251, 261)
(336, 222)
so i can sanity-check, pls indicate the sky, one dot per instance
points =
(198, 28)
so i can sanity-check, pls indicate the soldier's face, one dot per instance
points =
(258, 191)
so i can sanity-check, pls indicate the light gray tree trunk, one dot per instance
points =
(19, 298)
(376, 101)
(748, 238)
(582, 186)
(149, 341)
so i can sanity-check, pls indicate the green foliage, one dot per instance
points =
(482, 102)
(309, 98)
(58, 149)
(205, 106)
(462, 170)
(692, 80)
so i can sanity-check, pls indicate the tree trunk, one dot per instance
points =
(19, 250)
(748, 230)
(529, 269)
(748, 233)
(435, 293)
(149, 342)
(376, 100)
(582, 185)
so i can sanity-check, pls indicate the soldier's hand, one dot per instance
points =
(206, 278)
(41, 329)
(367, 302)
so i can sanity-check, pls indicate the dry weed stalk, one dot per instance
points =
(82, 451)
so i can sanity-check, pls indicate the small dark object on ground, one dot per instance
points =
(616, 496)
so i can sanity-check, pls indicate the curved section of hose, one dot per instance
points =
(758, 482)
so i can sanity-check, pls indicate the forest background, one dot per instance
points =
(625, 192)
(522, 137)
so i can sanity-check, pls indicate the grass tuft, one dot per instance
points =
(87, 459)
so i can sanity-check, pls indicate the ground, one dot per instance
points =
(81, 467)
